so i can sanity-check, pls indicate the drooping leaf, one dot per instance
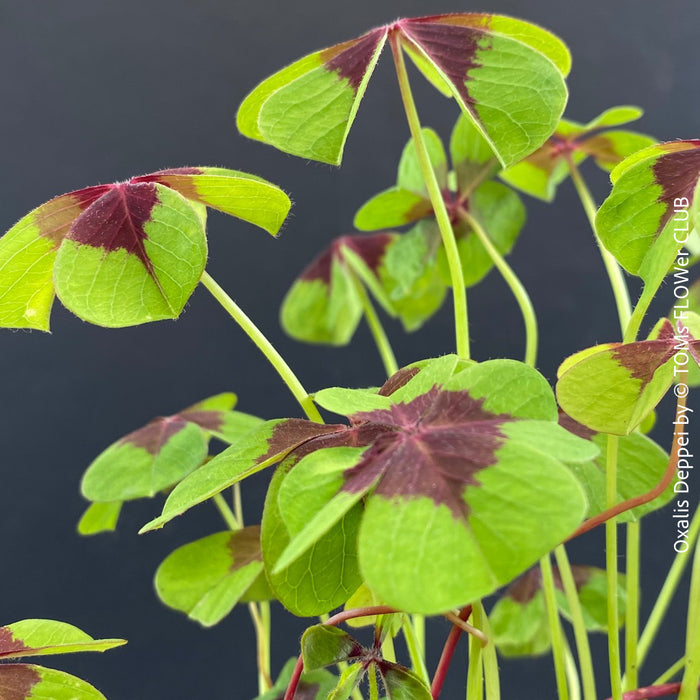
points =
(646, 219)
(100, 517)
(322, 578)
(308, 108)
(641, 464)
(124, 253)
(544, 170)
(611, 388)
(44, 637)
(206, 578)
(164, 451)
(313, 685)
(258, 449)
(324, 305)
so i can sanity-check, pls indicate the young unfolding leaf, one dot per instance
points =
(519, 618)
(324, 305)
(314, 685)
(506, 75)
(544, 170)
(206, 578)
(260, 448)
(164, 451)
(641, 464)
(20, 681)
(648, 215)
(611, 388)
(126, 253)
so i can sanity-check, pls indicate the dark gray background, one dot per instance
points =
(96, 91)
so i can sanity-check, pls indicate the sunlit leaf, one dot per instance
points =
(308, 108)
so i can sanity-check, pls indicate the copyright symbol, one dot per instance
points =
(680, 390)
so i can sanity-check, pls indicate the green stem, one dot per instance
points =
(259, 615)
(388, 651)
(615, 274)
(238, 503)
(414, 650)
(375, 326)
(516, 287)
(691, 676)
(611, 571)
(441, 216)
(668, 590)
(226, 512)
(555, 629)
(475, 670)
(580, 633)
(670, 672)
(639, 313)
(632, 575)
(419, 630)
(264, 345)
(373, 686)
(572, 673)
(493, 685)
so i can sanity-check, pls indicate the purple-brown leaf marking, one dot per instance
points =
(351, 59)
(452, 47)
(526, 586)
(116, 220)
(244, 546)
(17, 681)
(431, 446)
(10, 645)
(371, 248)
(398, 380)
(176, 179)
(573, 426)
(209, 420)
(677, 172)
(154, 435)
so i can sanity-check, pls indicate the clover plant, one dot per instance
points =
(447, 490)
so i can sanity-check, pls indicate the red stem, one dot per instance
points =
(369, 611)
(448, 652)
(645, 497)
(652, 691)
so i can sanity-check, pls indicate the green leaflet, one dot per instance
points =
(346, 401)
(323, 645)
(100, 517)
(326, 575)
(544, 170)
(308, 108)
(206, 578)
(19, 681)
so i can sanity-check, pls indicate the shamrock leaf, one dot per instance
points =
(20, 681)
(206, 578)
(652, 209)
(445, 460)
(127, 253)
(544, 170)
(611, 388)
(519, 618)
(307, 109)
(161, 453)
